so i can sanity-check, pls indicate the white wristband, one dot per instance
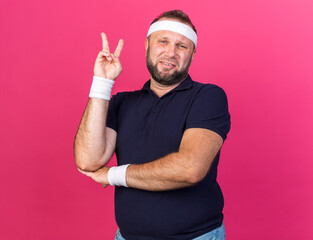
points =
(101, 88)
(117, 175)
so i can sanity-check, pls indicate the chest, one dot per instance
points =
(151, 127)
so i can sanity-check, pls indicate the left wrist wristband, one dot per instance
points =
(117, 175)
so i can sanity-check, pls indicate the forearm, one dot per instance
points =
(180, 169)
(90, 140)
(171, 172)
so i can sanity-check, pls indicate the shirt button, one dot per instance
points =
(154, 111)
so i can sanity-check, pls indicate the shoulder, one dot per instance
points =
(209, 91)
(209, 110)
(127, 95)
(120, 103)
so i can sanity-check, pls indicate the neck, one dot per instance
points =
(160, 89)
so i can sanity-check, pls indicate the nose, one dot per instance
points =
(171, 50)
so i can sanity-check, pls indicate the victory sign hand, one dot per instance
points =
(108, 65)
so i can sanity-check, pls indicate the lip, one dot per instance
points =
(167, 64)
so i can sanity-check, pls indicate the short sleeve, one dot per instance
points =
(112, 114)
(209, 110)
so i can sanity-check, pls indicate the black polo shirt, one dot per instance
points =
(148, 128)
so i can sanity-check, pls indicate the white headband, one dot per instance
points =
(174, 26)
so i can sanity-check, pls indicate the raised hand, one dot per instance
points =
(108, 65)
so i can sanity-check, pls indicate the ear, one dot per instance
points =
(146, 45)
(193, 54)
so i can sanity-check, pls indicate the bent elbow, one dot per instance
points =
(86, 165)
(84, 161)
(195, 176)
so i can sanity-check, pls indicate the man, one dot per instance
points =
(167, 138)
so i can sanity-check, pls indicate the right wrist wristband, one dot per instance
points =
(101, 88)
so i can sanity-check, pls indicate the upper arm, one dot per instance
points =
(209, 110)
(104, 157)
(200, 146)
(207, 126)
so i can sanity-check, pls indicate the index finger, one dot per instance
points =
(105, 43)
(119, 48)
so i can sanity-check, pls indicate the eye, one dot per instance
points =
(163, 41)
(182, 46)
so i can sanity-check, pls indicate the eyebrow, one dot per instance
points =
(179, 41)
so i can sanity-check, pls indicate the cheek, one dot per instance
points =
(158, 52)
(155, 56)
(185, 59)
(157, 49)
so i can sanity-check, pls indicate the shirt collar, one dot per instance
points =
(186, 84)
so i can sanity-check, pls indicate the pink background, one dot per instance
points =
(260, 52)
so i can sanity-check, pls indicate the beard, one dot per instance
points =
(166, 78)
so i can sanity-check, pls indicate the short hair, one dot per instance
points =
(176, 14)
